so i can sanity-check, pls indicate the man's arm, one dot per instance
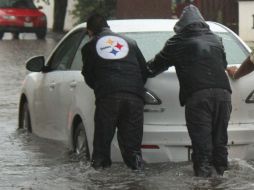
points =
(142, 64)
(245, 68)
(160, 62)
(87, 69)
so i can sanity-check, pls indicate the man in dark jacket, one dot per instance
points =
(114, 67)
(200, 61)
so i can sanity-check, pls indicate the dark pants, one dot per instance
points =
(207, 114)
(123, 111)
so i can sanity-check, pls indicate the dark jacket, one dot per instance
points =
(113, 63)
(197, 54)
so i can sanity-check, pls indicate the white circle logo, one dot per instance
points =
(112, 47)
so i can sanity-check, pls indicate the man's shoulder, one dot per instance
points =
(87, 46)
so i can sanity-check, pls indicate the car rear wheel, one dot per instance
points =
(1, 35)
(80, 143)
(24, 117)
(41, 34)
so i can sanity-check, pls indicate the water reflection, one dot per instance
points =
(30, 162)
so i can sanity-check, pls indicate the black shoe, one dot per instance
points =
(137, 163)
(99, 163)
(203, 171)
(220, 170)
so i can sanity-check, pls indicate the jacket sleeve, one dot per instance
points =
(225, 63)
(142, 64)
(87, 69)
(161, 61)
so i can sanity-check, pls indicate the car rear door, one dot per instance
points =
(57, 87)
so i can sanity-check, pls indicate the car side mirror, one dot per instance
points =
(35, 64)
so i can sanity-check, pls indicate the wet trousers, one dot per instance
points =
(124, 112)
(207, 113)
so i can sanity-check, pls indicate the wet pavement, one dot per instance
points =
(28, 162)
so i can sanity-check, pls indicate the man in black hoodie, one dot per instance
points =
(114, 67)
(200, 62)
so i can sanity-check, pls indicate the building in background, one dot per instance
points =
(238, 15)
(246, 20)
(223, 11)
(143, 9)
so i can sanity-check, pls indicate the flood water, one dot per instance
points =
(28, 162)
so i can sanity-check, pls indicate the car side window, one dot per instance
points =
(62, 57)
(77, 61)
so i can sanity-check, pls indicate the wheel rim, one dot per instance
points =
(81, 143)
(81, 147)
(25, 121)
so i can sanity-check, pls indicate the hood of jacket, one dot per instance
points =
(190, 15)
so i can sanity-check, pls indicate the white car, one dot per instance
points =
(56, 103)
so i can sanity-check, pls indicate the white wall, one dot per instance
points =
(246, 12)
(48, 10)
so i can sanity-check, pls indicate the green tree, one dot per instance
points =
(85, 7)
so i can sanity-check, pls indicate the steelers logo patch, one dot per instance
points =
(112, 47)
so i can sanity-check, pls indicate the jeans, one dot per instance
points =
(207, 113)
(124, 112)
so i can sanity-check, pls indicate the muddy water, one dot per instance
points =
(29, 162)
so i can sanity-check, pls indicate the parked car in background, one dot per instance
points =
(18, 16)
(56, 103)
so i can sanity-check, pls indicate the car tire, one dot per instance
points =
(41, 34)
(24, 117)
(15, 35)
(80, 144)
(1, 35)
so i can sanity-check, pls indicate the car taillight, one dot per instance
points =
(151, 98)
(43, 18)
(250, 98)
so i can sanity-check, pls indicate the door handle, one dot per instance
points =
(159, 110)
(52, 85)
(73, 84)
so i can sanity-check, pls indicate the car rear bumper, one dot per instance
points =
(21, 29)
(172, 143)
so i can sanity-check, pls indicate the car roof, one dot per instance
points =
(149, 25)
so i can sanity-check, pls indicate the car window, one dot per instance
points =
(17, 4)
(235, 52)
(62, 57)
(151, 43)
(77, 61)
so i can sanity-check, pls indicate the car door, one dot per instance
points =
(57, 87)
(83, 103)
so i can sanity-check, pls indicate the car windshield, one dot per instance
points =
(28, 4)
(151, 43)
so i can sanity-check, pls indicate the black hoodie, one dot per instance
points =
(197, 54)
